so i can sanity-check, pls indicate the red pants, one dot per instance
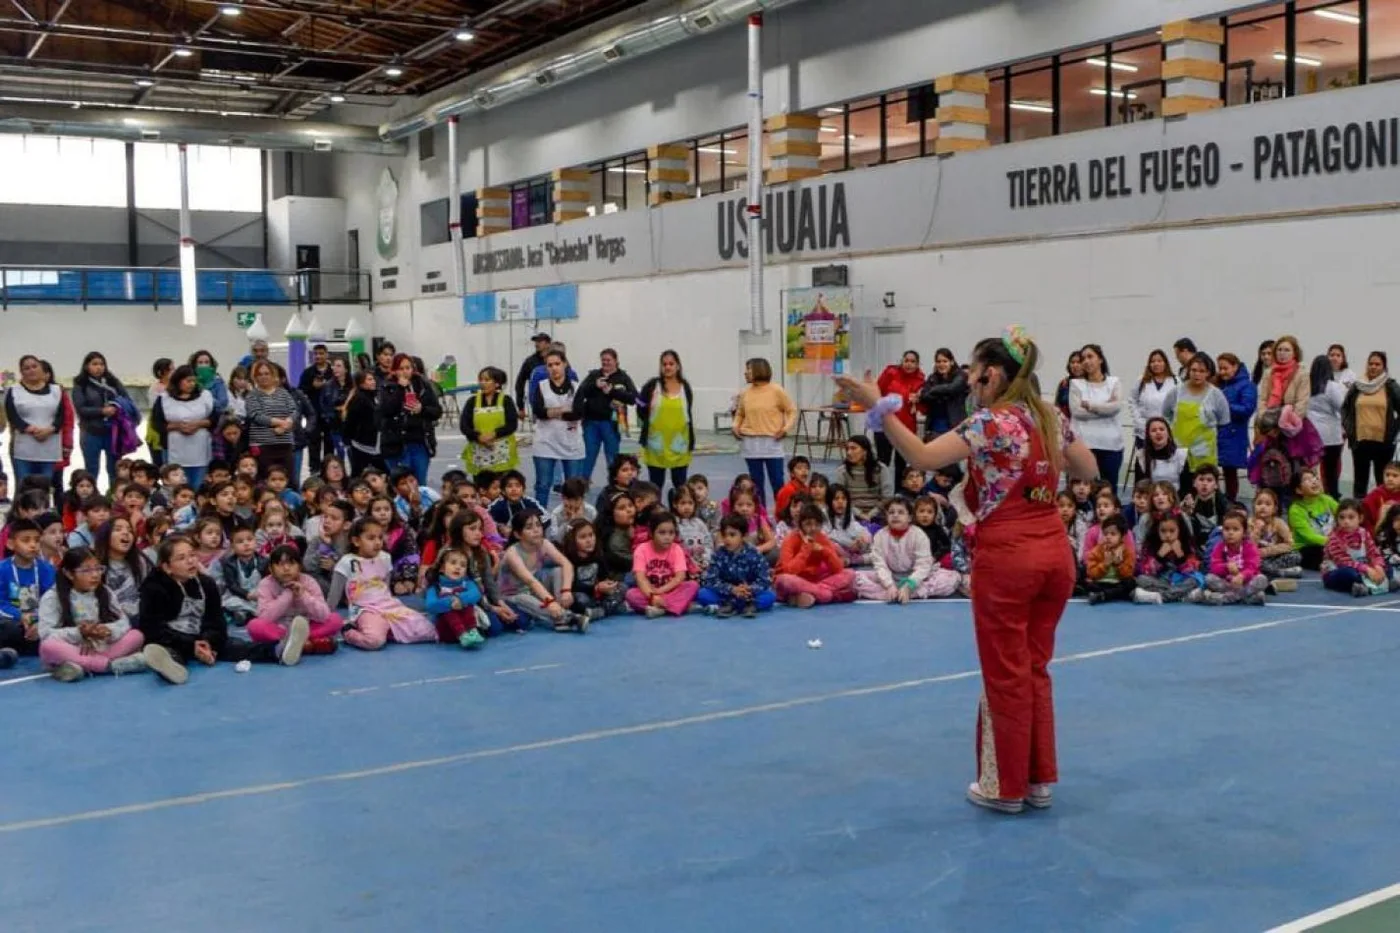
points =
(1020, 585)
(837, 588)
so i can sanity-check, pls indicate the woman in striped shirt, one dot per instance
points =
(272, 415)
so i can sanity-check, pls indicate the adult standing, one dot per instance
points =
(1341, 369)
(1185, 350)
(664, 407)
(97, 393)
(603, 396)
(361, 423)
(206, 373)
(765, 415)
(1232, 438)
(1371, 420)
(306, 427)
(384, 363)
(1022, 574)
(329, 403)
(272, 418)
(1147, 396)
(66, 433)
(1262, 361)
(1074, 369)
(239, 385)
(527, 369)
(558, 439)
(489, 422)
(944, 395)
(313, 380)
(182, 419)
(905, 379)
(408, 410)
(34, 410)
(258, 351)
(1327, 395)
(1095, 402)
(160, 373)
(1286, 381)
(1196, 410)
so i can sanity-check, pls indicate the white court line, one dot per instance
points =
(24, 680)
(1356, 904)
(427, 681)
(645, 728)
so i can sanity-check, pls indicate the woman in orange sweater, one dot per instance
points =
(765, 415)
(811, 569)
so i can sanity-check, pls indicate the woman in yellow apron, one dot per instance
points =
(668, 431)
(489, 422)
(1196, 409)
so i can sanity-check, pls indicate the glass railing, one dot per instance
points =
(88, 285)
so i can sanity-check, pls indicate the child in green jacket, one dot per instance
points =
(1311, 518)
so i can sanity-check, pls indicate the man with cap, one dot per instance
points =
(527, 369)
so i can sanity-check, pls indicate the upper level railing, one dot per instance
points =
(154, 286)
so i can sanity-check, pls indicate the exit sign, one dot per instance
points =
(246, 319)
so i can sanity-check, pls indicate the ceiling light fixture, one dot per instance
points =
(1298, 59)
(145, 82)
(1103, 92)
(629, 171)
(830, 129)
(393, 71)
(1116, 66)
(131, 121)
(182, 52)
(464, 35)
(717, 150)
(228, 9)
(337, 98)
(833, 110)
(1339, 16)
(1031, 106)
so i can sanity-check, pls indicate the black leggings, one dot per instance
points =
(1368, 458)
(884, 451)
(657, 475)
(1332, 470)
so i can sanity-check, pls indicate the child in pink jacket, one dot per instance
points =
(662, 571)
(284, 595)
(1234, 568)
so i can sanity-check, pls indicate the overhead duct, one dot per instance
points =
(137, 125)
(593, 55)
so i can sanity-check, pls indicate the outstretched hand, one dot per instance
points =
(864, 393)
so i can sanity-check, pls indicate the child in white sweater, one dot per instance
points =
(903, 567)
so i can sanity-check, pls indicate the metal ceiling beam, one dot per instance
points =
(349, 14)
(27, 15)
(72, 73)
(39, 42)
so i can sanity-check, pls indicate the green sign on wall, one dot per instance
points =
(246, 318)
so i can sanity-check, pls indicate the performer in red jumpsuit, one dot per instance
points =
(1015, 446)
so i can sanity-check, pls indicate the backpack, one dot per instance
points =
(1275, 469)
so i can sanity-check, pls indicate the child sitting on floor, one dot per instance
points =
(1109, 564)
(1277, 559)
(284, 596)
(1378, 500)
(595, 592)
(1234, 575)
(799, 473)
(705, 507)
(362, 579)
(451, 600)
(810, 568)
(852, 537)
(1169, 570)
(1312, 516)
(536, 580)
(1351, 561)
(903, 564)
(695, 535)
(737, 579)
(1388, 540)
(662, 572)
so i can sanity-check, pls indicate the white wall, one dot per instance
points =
(54, 235)
(303, 221)
(134, 337)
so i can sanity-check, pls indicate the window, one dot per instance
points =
(865, 129)
(434, 223)
(469, 215)
(1087, 78)
(1137, 80)
(1032, 100)
(1254, 44)
(1328, 33)
(61, 171)
(998, 97)
(1382, 38)
(427, 144)
(222, 178)
(832, 136)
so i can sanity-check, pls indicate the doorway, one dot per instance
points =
(352, 255)
(308, 274)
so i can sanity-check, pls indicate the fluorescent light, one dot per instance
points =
(337, 98)
(1103, 92)
(183, 52)
(1032, 106)
(830, 129)
(229, 9)
(1339, 16)
(732, 162)
(393, 71)
(629, 171)
(145, 82)
(131, 121)
(717, 150)
(464, 35)
(833, 110)
(1298, 59)
(245, 77)
(1116, 66)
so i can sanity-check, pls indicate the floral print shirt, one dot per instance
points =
(1001, 444)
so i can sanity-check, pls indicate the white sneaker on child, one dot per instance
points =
(1146, 598)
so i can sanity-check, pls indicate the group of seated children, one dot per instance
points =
(1201, 548)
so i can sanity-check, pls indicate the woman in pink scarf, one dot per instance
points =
(1285, 383)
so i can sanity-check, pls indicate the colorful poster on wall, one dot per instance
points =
(818, 330)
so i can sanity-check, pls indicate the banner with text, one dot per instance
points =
(551, 303)
(818, 330)
(1330, 150)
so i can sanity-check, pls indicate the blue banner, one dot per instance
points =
(549, 303)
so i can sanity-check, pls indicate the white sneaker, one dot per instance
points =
(996, 804)
(289, 648)
(160, 660)
(131, 664)
(654, 612)
(1147, 597)
(1042, 795)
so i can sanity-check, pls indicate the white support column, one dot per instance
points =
(454, 210)
(189, 294)
(755, 198)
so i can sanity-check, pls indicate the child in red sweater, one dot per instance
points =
(1378, 500)
(1351, 562)
(1234, 567)
(810, 568)
(799, 472)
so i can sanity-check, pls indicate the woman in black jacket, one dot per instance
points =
(95, 393)
(329, 403)
(1371, 421)
(408, 411)
(944, 395)
(360, 423)
(182, 618)
(602, 396)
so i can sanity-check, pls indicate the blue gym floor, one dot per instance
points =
(1222, 769)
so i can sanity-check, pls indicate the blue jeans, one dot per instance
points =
(763, 600)
(93, 447)
(42, 468)
(1110, 466)
(413, 456)
(774, 468)
(544, 476)
(194, 476)
(599, 435)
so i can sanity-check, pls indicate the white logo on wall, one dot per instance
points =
(387, 239)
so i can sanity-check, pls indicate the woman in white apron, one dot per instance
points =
(558, 434)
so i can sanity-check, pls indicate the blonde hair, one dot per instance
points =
(1022, 389)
